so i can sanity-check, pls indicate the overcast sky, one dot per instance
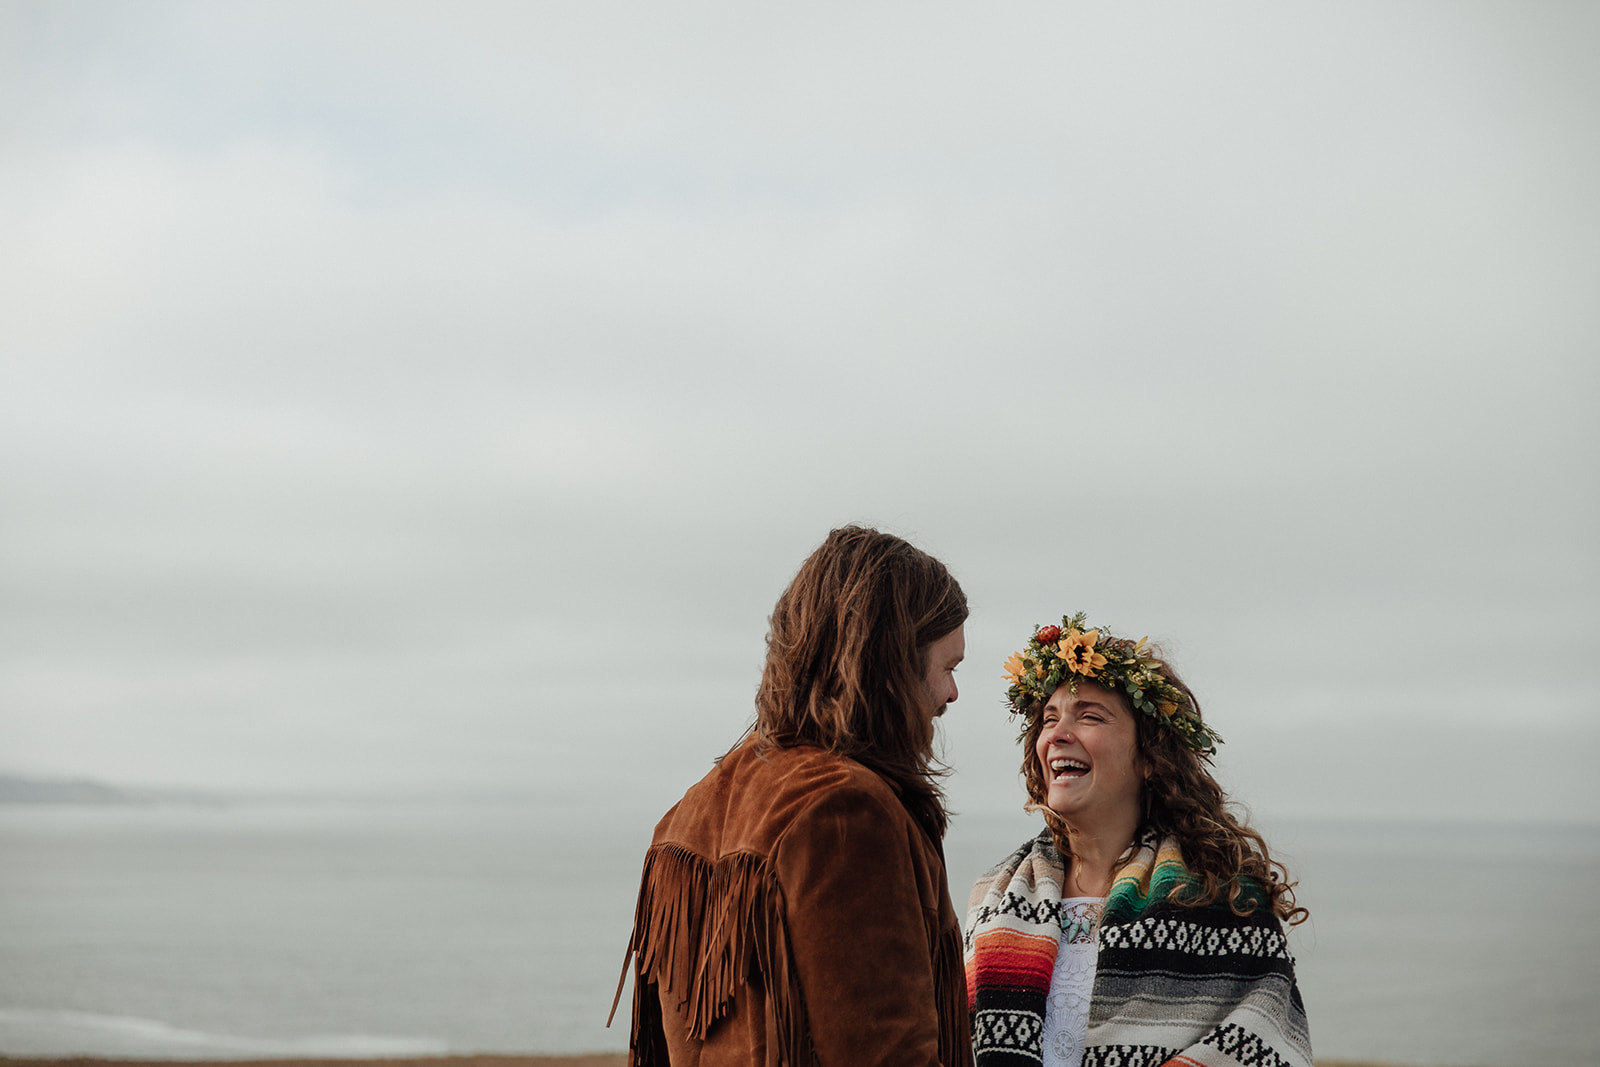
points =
(434, 396)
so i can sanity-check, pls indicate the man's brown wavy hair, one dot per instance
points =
(847, 660)
(1227, 858)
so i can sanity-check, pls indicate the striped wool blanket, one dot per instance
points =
(1189, 987)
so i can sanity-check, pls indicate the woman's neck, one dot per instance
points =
(1096, 853)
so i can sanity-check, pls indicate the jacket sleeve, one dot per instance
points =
(858, 930)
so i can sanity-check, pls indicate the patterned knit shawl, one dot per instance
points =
(1191, 987)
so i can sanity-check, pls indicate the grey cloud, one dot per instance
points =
(409, 394)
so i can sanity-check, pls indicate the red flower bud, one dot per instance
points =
(1048, 635)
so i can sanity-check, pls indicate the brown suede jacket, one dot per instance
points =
(792, 912)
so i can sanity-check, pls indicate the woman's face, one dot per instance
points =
(1088, 750)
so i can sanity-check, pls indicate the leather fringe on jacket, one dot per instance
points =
(792, 912)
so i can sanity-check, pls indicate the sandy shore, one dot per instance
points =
(605, 1059)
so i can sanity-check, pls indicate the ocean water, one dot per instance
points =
(375, 929)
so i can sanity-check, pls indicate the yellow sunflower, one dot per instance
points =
(1077, 650)
(1014, 668)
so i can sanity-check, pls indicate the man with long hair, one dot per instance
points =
(794, 907)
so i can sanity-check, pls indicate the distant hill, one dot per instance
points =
(15, 789)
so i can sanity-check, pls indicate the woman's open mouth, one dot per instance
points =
(1063, 769)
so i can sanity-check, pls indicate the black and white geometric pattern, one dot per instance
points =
(1196, 939)
(1127, 1056)
(1012, 1031)
(1032, 912)
(1242, 1045)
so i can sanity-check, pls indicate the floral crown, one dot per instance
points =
(1069, 653)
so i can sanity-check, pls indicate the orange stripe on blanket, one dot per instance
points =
(1008, 958)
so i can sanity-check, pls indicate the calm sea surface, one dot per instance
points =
(407, 928)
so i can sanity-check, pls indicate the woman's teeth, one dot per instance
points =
(1068, 768)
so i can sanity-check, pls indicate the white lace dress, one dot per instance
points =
(1066, 1009)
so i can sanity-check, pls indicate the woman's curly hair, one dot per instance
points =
(1227, 858)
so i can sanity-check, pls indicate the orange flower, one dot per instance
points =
(1014, 668)
(1077, 650)
(1048, 635)
(1167, 709)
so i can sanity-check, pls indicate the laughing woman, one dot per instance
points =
(1145, 924)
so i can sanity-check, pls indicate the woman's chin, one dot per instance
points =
(1067, 800)
(1078, 807)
